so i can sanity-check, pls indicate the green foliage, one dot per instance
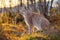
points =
(36, 38)
(31, 38)
(1, 30)
(55, 36)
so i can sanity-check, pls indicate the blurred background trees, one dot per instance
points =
(9, 17)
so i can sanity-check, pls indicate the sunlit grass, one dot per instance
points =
(17, 31)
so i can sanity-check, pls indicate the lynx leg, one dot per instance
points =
(29, 30)
(37, 29)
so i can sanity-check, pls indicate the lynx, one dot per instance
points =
(33, 19)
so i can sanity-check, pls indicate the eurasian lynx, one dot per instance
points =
(34, 20)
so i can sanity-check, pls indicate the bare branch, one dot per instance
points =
(51, 4)
(21, 2)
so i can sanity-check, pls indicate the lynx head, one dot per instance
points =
(23, 11)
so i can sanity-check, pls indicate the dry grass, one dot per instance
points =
(19, 31)
(12, 32)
